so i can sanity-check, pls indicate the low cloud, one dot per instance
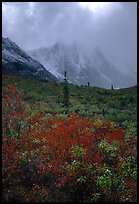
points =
(41, 24)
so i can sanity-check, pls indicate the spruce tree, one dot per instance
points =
(66, 92)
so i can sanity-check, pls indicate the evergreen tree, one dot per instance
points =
(66, 91)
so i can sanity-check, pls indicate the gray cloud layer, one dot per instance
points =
(45, 23)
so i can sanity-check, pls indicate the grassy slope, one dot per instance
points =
(119, 106)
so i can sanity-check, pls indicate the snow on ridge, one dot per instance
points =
(16, 60)
(105, 77)
(78, 62)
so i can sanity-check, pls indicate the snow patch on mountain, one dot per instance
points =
(17, 61)
(105, 77)
(81, 66)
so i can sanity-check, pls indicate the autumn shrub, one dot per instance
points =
(69, 146)
(88, 159)
(13, 111)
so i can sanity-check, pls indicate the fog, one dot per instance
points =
(41, 24)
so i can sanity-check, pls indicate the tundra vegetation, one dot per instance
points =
(87, 153)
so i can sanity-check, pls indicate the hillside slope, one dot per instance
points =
(18, 62)
(82, 66)
(119, 106)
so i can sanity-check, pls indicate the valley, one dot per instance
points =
(80, 153)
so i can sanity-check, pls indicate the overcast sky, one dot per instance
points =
(110, 26)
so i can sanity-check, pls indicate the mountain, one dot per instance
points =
(18, 62)
(81, 66)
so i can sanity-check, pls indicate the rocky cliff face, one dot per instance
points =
(81, 67)
(50, 64)
(17, 61)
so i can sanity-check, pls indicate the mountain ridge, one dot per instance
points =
(51, 62)
(16, 61)
(82, 67)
